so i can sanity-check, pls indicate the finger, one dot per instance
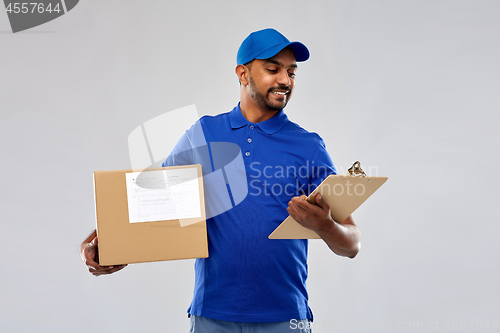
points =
(104, 270)
(111, 268)
(294, 214)
(301, 203)
(90, 253)
(292, 210)
(119, 268)
(99, 269)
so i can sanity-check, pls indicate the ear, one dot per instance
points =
(243, 74)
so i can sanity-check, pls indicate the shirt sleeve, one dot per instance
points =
(182, 154)
(191, 149)
(321, 167)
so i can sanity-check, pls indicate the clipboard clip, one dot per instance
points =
(356, 170)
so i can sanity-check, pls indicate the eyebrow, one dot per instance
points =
(278, 63)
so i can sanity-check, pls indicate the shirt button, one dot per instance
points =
(247, 153)
(249, 140)
(252, 127)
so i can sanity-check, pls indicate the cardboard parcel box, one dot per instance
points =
(153, 215)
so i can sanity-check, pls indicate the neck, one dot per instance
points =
(253, 112)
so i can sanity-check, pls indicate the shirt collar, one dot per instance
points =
(269, 126)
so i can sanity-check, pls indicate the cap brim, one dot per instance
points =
(300, 50)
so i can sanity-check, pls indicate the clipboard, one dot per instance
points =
(344, 194)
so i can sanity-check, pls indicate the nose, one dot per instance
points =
(283, 78)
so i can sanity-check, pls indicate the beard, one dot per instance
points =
(264, 101)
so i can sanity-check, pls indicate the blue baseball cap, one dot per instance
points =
(264, 44)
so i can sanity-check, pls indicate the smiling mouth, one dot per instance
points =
(280, 92)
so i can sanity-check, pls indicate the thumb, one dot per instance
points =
(93, 244)
(93, 249)
(321, 202)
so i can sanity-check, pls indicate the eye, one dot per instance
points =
(274, 71)
(291, 74)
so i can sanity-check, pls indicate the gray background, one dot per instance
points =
(410, 88)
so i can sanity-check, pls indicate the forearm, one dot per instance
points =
(342, 238)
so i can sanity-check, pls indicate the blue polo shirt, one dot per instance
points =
(247, 276)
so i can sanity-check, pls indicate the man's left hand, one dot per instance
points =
(314, 217)
(342, 238)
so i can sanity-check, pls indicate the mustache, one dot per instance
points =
(280, 88)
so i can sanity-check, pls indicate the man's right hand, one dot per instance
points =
(88, 251)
